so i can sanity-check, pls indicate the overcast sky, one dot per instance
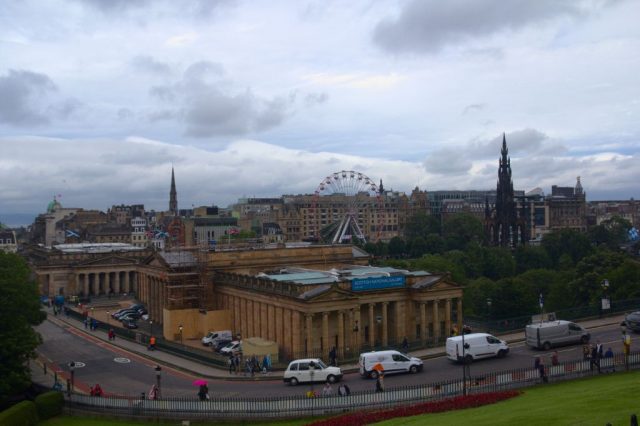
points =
(99, 98)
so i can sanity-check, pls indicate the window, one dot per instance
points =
(399, 358)
(293, 367)
(492, 340)
(303, 366)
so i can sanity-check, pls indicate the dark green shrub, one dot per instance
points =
(22, 414)
(49, 404)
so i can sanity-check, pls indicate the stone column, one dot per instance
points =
(401, 321)
(237, 320)
(385, 325)
(244, 329)
(309, 321)
(424, 327)
(264, 320)
(341, 347)
(127, 284)
(287, 331)
(256, 318)
(85, 285)
(278, 334)
(447, 315)
(358, 322)
(250, 322)
(116, 283)
(107, 283)
(460, 323)
(372, 324)
(326, 345)
(436, 321)
(134, 282)
(295, 335)
(271, 322)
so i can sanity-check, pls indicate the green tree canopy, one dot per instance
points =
(19, 312)
(461, 229)
(529, 257)
(397, 247)
(421, 225)
(567, 242)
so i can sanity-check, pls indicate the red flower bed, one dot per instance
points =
(456, 403)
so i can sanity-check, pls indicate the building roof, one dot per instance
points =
(96, 247)
(310, 276)
(180, 258)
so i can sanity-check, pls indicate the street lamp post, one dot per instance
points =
(109, 318)
(72, 369)
(488, 313)
(150, 327)
(180, 330)
(158, 372)
(605, 302)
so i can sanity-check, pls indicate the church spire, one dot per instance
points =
(173, 196)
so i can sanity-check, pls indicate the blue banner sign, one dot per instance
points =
(377, 283)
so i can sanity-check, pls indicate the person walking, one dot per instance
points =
(327, 390)
(554, 358)
(332, 356)
(595, 358)
(379, 384)
(626, 348)
(405, 345)
(231, 363)
(586, 352)
(344, 390)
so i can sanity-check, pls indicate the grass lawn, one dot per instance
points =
(591, 401)
(608, 398)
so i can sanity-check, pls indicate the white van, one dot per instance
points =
(232, 348)
(545, 335)
(214, 337)
(477, 346)
(391, 362)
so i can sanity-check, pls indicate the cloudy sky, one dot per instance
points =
(99, 98)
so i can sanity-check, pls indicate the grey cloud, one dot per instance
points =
(124, 114)
(313, 99)
(148, 64)
(143, 10)
(519, 142)
(428, 25)
(447, 162)
(19, 92)
(209, 108)
(65, 109)
(472, 108)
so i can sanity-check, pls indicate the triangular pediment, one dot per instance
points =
(328, 293)
(436, 283)
(107, 260)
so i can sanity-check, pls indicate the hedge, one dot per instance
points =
(49, 404)
(22, 414)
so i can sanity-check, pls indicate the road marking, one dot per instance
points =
(77, 364)
(122, 360)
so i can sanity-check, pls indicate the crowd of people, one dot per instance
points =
(252, 364)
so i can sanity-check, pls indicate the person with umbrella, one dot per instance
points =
(203, 389)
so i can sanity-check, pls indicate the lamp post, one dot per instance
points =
(488, 313)
(109, 318)
(72, 369)
(606, 302)
(158, 372)
(150, 327)
(180, 330)
(379, 327)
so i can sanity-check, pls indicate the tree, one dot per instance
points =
(528, 257)
(397, 247)
(435, 244)
(19, 312)
(566, 242)
(421, 225)
(611, 232)
(461, 229)
(417, 247)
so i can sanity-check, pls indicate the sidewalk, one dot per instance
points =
(208, 372)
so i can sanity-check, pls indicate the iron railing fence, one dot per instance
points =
(239, 407)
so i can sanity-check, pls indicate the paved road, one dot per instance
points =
(122, 372)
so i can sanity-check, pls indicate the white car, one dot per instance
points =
(311, 370)
(232, 348)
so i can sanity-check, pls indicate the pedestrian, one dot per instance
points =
(634, 420)
(86, 323)
(626, 348)
(202, 394)
(152, 343)
(379, 383)
(554, 358)
(595, 359)
(327, 390)
(454, 330)
(231, 363)
(332, 356)
(586, 352)
(237, 361)
(265, 364)
(344, 390)
(543, 371)
(153, 392)
(405, 345)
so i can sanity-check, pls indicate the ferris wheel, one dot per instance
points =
(346, 205)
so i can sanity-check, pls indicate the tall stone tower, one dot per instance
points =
(504, 227)
(173, 196)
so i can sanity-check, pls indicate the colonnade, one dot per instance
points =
(105, 282)
(346, 325)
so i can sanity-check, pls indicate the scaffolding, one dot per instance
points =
(188, 281)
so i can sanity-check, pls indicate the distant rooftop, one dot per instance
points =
(311, 276)
(96, 247)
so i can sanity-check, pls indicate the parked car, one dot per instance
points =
(232, 348)
(131, 316)
(213, 337)
(388, 362)
(129, 324)
(310, 370)
(125, 312)
(220, 344)
(632, 321)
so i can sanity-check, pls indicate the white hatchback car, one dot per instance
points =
(311, 370)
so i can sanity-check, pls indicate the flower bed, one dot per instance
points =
(457, 403)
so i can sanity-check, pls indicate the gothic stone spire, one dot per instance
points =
(173, 195)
